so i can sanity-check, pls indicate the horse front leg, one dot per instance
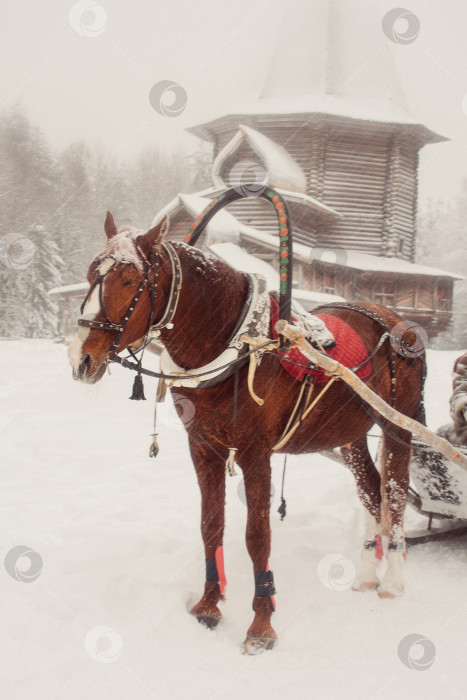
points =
(257, 476)
(209, 461)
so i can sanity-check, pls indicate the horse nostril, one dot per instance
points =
(85, 365)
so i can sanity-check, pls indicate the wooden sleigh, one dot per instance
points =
(438, 491)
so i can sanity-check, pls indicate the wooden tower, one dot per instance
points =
(331, 130)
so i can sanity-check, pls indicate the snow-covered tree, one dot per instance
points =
(74, 220)
(52, 211)
(27, 194)
(44, 274)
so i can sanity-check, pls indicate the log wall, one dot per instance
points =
(366, 171)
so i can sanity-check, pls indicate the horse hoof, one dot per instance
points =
(208, 621)
(358, 585)
(252, 646)
(391, 590)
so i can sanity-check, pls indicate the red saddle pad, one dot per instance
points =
(349, 350)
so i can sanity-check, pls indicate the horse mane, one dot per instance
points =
(212, 298)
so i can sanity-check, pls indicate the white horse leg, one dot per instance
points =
(394, 488)
(366, 578)
(367, 478)
(392, 584)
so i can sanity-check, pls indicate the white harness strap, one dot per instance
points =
(255, 324)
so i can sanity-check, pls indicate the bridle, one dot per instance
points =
(151, 266)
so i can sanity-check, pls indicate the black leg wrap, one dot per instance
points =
(264, 586)
(396, 546)
(211, 570)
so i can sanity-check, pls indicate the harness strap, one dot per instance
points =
(175, 287)
(285, 438)
(150, 265)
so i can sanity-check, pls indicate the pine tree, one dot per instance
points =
(43, 274)
(74, 221)
(28, 194)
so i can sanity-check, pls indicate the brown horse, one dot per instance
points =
(131, 286)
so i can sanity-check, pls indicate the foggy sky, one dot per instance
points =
(96, 88)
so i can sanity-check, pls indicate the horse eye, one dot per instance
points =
(128, 283)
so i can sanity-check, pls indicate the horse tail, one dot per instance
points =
(421, 412)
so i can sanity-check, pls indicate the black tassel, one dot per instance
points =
(282, 510)
(138, 389)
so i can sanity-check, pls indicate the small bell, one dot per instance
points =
(154, 447)
(230, 464)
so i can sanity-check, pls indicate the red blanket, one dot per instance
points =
(349, 351)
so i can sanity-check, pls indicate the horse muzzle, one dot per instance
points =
(85, 373)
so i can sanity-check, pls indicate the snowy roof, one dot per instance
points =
(348, 258)
(223, 224)
(295, 197)
(69, 290)
(330, 59)
(281, 169)
(377, 263)
(241, 260)
(379, 110)
(312, 297)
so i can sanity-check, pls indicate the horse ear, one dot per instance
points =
(109, 226)
(154, 236)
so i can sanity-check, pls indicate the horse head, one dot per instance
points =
(121, 303)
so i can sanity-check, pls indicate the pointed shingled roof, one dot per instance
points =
(331, 59)
(327, 48)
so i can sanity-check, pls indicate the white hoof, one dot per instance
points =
(391, 590)
(359, 585)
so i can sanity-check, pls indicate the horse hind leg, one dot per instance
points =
(358, 459)
(396, 449)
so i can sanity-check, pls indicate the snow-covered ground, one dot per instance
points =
(122, 562)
